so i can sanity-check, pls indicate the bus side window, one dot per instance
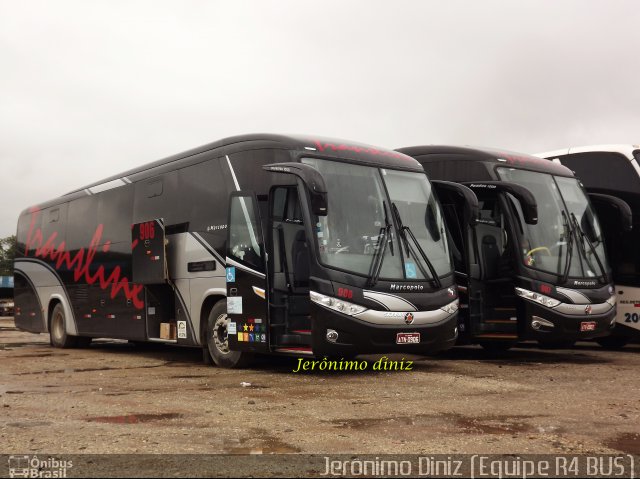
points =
(243, 233)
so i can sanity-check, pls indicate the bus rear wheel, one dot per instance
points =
(58, 329)
(218, 342)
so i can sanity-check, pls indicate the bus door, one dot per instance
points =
(290, 271)
(246, 275)
(460, 211)
(616, 221)
(492, 300)
(289, 255)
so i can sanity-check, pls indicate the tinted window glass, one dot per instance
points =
(244, 242)
(603, 170)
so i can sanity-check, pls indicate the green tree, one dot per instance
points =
(7, 253)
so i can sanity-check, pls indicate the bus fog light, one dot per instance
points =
(538, 323)
(332, 335)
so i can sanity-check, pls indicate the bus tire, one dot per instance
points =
(613, 343)
(217, 342)
(497, 346)
(58, 329)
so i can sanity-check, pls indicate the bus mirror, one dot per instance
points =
(458, 194)
(523, 195)
(603, 204)
(312, 179)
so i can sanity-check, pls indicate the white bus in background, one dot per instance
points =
(614, 170)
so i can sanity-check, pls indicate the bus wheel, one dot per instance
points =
(497, 346)
(613, 342)
(217, 342)
(58, 329)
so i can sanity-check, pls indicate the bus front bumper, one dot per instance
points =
(335, 334)
(574, 322)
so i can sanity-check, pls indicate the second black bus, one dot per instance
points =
(533, 265)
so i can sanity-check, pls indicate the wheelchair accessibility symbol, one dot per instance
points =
(231, 274)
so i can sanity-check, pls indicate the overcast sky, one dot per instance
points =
(92, 88)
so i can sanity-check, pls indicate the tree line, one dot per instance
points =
(7, 253)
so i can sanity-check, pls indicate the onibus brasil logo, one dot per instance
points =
(33, 466)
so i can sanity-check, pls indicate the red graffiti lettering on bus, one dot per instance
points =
(81, 263)
(359, 149)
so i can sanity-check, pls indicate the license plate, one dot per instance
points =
(588, 326)
(408, 338)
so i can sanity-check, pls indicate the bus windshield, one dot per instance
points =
(565, 220)
(365, 205)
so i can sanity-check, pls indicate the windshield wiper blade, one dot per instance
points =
(387, 225)
(403, 230)
(378, 257)
(567, 266)
(583, 236)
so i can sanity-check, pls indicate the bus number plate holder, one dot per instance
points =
(408, 338)
(587, 326)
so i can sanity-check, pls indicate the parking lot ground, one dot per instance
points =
(115, 397)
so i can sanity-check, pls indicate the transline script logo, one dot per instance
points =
(81, 262)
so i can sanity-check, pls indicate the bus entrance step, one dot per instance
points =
(297, 350)
(498, 326)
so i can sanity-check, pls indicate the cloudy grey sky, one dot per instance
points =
(92, 88)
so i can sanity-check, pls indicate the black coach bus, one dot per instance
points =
(252, 244)
(611, 172)
(533, 265)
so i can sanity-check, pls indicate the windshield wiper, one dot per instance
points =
(583, 236)
(403, 230)
(569, 229)
(378, 255)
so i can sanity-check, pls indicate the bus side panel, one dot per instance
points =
(628, 309)
(27, 311)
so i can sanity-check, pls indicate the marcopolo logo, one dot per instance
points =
(408, 288)
(584, 283)
(33, 466)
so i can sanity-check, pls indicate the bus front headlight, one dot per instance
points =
(537, 297)
(344, 307)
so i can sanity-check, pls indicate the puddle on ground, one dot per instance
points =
(478, 425)
(42, 355)
(86, 370)
(135, 418)
(10, 346)
(627, 442)
(494, 424)
(24, 425)
(189, 377)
